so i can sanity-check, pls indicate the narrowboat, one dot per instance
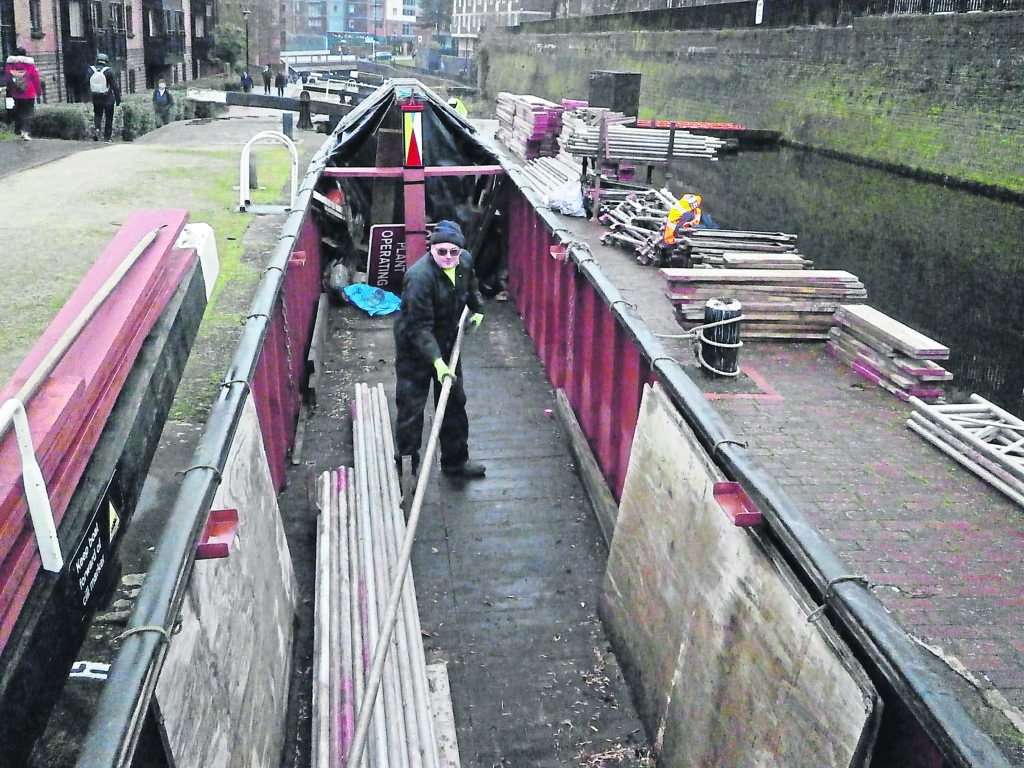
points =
(627, 585)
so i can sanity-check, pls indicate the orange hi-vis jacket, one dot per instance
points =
(684, 214)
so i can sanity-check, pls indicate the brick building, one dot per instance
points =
(144, 39)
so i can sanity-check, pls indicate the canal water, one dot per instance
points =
(944, 262)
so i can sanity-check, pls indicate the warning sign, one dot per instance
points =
(386, 259)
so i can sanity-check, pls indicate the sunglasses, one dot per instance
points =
(447, 251)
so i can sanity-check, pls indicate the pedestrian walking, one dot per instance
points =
(106, 94)
(266, 79)
(280, 80)
(162, 102)
(246, 82)
(435, 291)
(22, 80)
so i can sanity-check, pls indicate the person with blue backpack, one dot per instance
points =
(106, 94)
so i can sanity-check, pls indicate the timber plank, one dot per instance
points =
(866, 318)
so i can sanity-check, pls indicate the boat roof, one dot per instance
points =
(448, 138)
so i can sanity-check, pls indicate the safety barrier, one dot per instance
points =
(244, 204)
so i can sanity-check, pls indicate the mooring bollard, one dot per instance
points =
(305, 112)
(720, 344)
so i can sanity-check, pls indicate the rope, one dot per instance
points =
(697, 334)
(830, 591)
(164, 634)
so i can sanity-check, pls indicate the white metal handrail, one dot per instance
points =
(13, 411)
(243, 167)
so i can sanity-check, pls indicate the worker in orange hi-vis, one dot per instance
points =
(685, 214)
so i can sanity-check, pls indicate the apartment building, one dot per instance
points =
(144, 39)
(469, 17)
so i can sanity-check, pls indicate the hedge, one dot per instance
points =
(132, 119)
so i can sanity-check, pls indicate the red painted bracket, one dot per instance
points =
(218, 534)
(736, 504)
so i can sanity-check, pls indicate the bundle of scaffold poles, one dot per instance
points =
(360, 535)
(595, 132)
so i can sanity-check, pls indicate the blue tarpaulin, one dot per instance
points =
(375, 301)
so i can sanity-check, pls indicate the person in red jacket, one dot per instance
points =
(22, 80)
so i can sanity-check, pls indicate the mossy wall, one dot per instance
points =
(939, 93)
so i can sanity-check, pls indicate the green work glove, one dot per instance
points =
(442, 370)
(475, 319)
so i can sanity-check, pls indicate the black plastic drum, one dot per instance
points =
(720, 346)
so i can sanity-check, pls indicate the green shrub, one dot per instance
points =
(62, 121)
(134, 118)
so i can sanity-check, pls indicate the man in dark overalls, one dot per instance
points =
(435, 291)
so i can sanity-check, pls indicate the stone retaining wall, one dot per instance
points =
(939, 93)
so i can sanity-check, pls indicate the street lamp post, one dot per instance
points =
(245, 15)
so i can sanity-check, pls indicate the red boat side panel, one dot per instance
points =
(70, 407)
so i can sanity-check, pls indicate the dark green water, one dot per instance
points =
(946, 263)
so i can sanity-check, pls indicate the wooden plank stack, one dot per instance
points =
(777, 303)
(889, 353)
(980, 436)
(529, 126)
(741, 249)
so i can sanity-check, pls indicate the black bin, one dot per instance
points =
(618, 91)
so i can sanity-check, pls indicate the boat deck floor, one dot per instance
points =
(507, 568)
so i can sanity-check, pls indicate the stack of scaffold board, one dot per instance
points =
(892, 355)
(776, 303)
(979, 435)
(740, 249)
(528, 125)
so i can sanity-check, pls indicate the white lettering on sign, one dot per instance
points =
(384, 258)
(88, 563)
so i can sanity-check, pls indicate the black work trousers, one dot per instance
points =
(411, 391)
(103, 109)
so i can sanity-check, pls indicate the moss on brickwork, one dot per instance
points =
(940, 94)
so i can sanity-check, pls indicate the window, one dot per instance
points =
(96, 15)
(129, 21)
(117, 17)
(35, 13)
(76, 21)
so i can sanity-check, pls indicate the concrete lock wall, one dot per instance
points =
(939, 93)
(223, 689)
(713, 629)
